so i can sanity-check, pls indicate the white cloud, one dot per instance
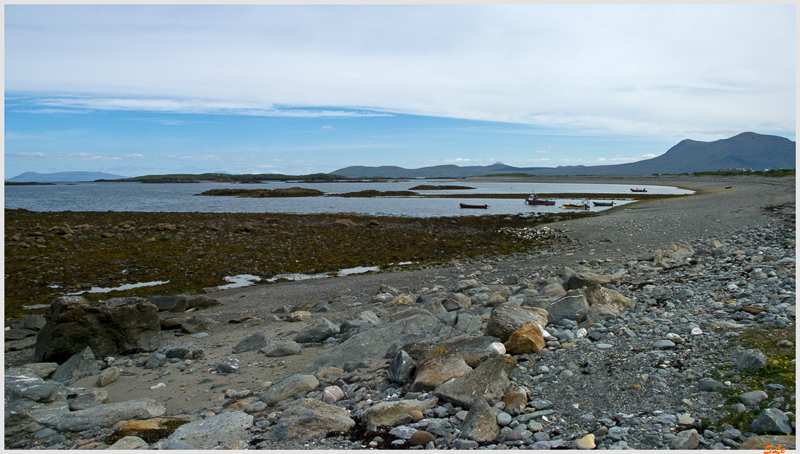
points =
(66, 156)
(327, 128)
(646, 70)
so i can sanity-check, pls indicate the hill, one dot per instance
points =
(61, 177)
(747, 150)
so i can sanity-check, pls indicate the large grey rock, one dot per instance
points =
(687, 439)
(219, 431)
(34, 322)
(251, 343)
(106, 415)
(78, 366)
(24, 384)
(366, 318)
(155, 361)
(488, 381)
(504, 320)
(387, 413)
(709, 384)
(372, 344)
(310, 419)
(579, 280)
(438, 362)
(572, 306)
(480, 425)
(282, 349)
(286, 388)
(229, 366)
(127, 443)
(456, 301)
(184, 350)
(88, 399)
(553, 290)
(601, 296)
(752, 359)
(317, 331)
(173, 303)
(117, 326)
(197, 324)
(43, 370)
(109, 376)
(401, 368)
(771, 421)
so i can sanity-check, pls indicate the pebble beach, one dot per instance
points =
(667, 323)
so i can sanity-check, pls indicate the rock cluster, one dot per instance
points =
(606, 355)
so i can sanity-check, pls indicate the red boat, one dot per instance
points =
(465, 205)
(535, 200)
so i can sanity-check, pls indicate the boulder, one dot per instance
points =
(579, 280)
(759, 442)
(752, 359)
(106, 415)
(118, 326)
(366, 318)
(387, 413)
(127, 443)
(572, 306)
(504, 320)
(771, 421)
(282, 349)
(488, 381)
(199, 302)
(175, 303)
(43, 370)
(197, 324)
(438, 369)
(553, 290)
(22, 383)
(480, 425)
(88, 399)
(286, 388)
(219, 431)
(372, 344)
(251, 343)
(456, 301)
(403, 300)
(78, 366)
(401, 368)
(527, 339)
(184, 350)
(34, 322)
(109, 376)
(317, 331)
(598, 295)
(310, 419)
(684, 440)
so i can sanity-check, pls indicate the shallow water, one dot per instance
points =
(183, 198)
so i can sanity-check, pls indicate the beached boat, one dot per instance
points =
(582, 206)
(603, 204)
(534, 199)
(639, 190)
(466, 205)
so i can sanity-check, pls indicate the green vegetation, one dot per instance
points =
(50, 254)
(433, 187)
(375, 193)
(780, 369)
(260, 193)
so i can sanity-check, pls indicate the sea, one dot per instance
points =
(183, 197)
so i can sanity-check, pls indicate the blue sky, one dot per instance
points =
(135, 90)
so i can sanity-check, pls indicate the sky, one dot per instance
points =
(295, 89)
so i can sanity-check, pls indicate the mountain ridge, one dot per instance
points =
(746, 150)
(62, 177)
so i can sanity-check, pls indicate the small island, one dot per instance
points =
(259, 193)
(433, 187)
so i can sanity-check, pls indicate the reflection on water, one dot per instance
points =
(121, 287)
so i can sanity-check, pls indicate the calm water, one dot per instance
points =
(182, 198)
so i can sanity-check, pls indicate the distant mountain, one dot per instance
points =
(747, 150)
(61, 177)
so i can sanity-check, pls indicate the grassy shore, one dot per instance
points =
(49, 254)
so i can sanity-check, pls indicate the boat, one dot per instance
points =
(639, 190)
(581, 206)
(466, 205)
(535, 200)
(603, 204)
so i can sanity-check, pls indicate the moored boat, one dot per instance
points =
(466, 205)
(603, 204)
(534, 199)
(639, 190)
(578, 206)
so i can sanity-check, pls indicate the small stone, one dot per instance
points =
(503, 419)
(688, 439)
(753, 397)
(752, 359)
(421, 438)
(664, 344)
(416, 415)
(586, 442)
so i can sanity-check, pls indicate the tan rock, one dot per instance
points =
(437, 370)
(527, 339)
(298, 316)
(403, 300)
(421, 438)
(515, 402)
(416, 415)
(388, 412)
(586, 442)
